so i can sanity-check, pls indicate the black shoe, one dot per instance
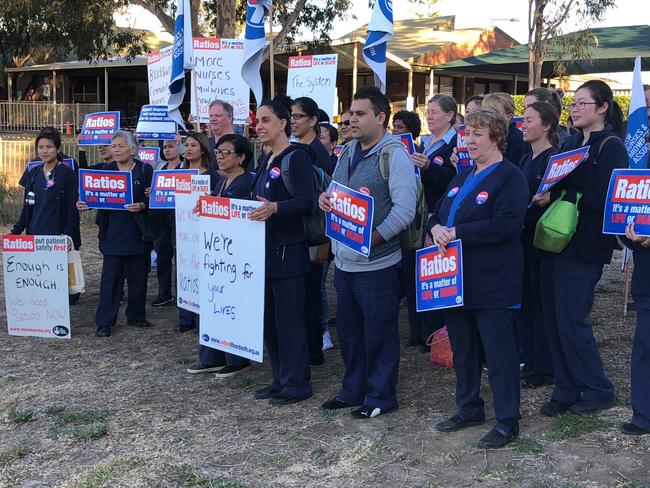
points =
(142, 324)
(103, 332)
(497, 438)
(537, 380)
(366, 412)
(336, 404)
(180, 328)
(628, 428)
(585, 407)
(160, 302)
(266, 393)
(457, 423)
(281, 399)
(554, 408)
(230, 371)
(203, 368)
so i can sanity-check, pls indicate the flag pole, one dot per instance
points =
(271, 60)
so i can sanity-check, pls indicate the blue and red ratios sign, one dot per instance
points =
(409, 145)
(163, 187)
(98, 128)
(108, 190)
(149, 155)
(438, 278)
(350, 221)
(561, 165)
(628, 201)
(464, 161)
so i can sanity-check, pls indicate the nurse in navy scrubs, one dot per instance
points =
(51, 194)
(640, 422)
(540, 132)
(234, 153)
(287, 257)
(122, 244)
(484, 208)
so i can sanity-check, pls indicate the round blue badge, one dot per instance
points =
(274, 173)
(482, 197)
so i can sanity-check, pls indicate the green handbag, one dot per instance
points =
(557, 225)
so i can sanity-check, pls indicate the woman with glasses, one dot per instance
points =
(50, 196)
(233, 153)
(122, 244)
(570, 277)
(346, 133)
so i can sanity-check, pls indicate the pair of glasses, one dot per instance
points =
(579, 105)
(345, 123)
(223, 152)
(297, 116)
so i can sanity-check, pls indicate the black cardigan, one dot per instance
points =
(436, 177)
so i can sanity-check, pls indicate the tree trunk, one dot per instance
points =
(287, 24)
(226, 24)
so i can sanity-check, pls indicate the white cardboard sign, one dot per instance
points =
(159, 69)
(314, 77)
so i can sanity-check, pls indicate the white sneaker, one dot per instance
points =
(327, 341)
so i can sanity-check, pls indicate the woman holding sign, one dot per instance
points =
(484, 207)
(540, 131)
(569, 278)
(234, 154)
(50, 196)
(287, 256)
(122, 244)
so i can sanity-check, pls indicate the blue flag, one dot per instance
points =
(181, 60)
(380, 31)
(254, 42)
(637, 122)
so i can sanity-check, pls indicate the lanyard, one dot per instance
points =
(472, 181)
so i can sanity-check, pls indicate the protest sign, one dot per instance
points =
(36, 285)
(464, 161)
(519, 122)
(231, 278)
(314, 76)
(163, 187)
(628, 202)
(338, 150)
(561, 165)
(98, 128)
(438, 278)
(66, 161)
(217, 74)
(155, 124)
(108, 190)
(149, 155)
(188, 253)
(409, 145)
(350, 221)
(159, 69)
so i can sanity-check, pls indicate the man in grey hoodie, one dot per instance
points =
(367, 288)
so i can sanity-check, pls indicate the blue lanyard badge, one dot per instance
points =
(472, 181)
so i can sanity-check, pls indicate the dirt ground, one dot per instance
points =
(122, 411)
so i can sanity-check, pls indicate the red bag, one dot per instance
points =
(441, 353)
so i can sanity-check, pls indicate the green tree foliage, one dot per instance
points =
(622, 100)
(35, 31)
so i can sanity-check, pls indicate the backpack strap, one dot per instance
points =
(603, 142)
(285, 166)
(385, 155)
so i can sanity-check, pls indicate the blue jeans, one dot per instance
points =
(366, 323)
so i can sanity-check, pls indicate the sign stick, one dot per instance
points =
(197, 122)
(271, 60)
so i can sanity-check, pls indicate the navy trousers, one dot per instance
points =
(567, 297)
(533, 344)
(207, 355)
(111, 288)
(285, 335)
(165, 254)
(314, 309)
(641, 364)
(367, 310)
(422, 324)
(494, 330)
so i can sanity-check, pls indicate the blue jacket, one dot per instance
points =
(591, 178)
(286, 249)
(490, 233)
(437, 176)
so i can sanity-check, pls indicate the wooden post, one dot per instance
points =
(355, 68)
(410, 102)
(54, 86)
(431, 83)
(10, 85)
(516, 81)
(271, 60)
(105, 88)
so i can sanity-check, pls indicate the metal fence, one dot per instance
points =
(17, 149)
(26, 116)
